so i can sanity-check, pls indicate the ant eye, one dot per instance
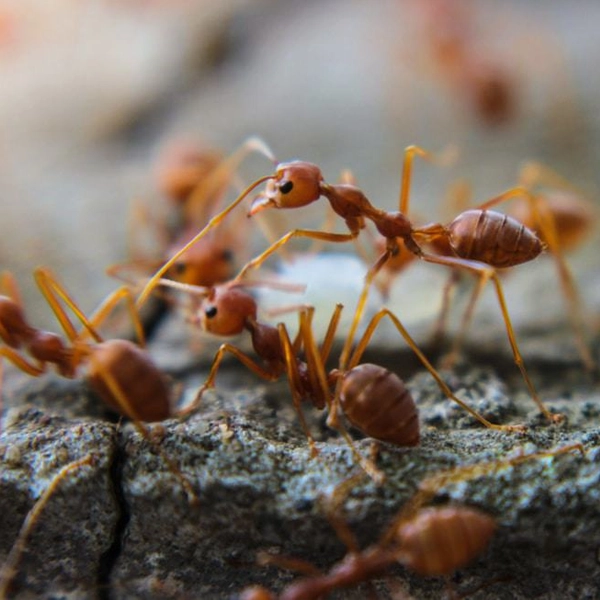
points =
(227, 255)
(179, 268)
(287, 187)
(211, 312)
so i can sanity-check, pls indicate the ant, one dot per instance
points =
(562, 218)
(478, 240)
(479, 78)
(195, 180)
(372, 398)
(119, 371)
(429, 541)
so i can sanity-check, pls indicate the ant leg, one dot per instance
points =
(22, 363)
(141, 219)
(441, 325)
(317, 235)
(533, 173)
(214, 221)
(431, 485)
(9, 569)
(361, 346)
(360, 306)
(443, 158)
(291, 366)
(210, 381)
(333, 508)
(450, 359)
(330, 333)
(485, 271)
(108, 305)
(548, 228)
(8, 285)
(52, 290)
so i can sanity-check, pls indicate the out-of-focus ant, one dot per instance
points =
(478, 241)
(430, 541)
(119, 371)
(562, 218)
(486, 84)
(196, 180)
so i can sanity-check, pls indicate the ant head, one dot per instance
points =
(181, 166)
(294, 184)
(226, 310)
(207, 263)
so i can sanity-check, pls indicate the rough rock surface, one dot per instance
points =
(126, 528)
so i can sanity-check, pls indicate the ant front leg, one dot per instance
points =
(293, 375)
(22, 363)
(486, 273)
(248, 362)
(316, 235)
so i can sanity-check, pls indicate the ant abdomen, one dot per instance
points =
(378, 403)
(493, 238)
(438, 541)
(129, 368)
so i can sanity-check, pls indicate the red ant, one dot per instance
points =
(562, 218)
(196, 180)
(372, 398)
(478, 240)
(477, 76)
(430, 541)
(119, 371)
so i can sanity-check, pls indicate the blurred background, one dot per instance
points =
(93, 91)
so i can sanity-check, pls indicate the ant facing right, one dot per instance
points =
(478, 241)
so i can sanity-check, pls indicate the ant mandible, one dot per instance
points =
(119, 371)
(430, 541)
